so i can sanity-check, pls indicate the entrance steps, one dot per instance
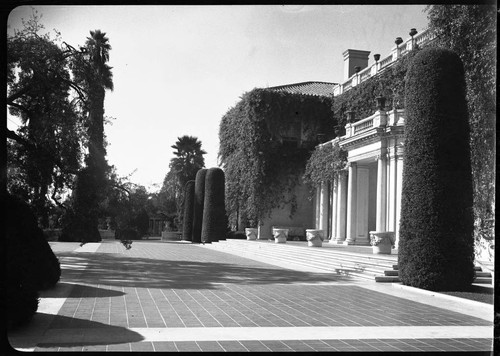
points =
(333, 259)
(392, 276)
(321, 259)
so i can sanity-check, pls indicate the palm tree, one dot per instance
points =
(93, 75)
(101, 78)
(189, 158)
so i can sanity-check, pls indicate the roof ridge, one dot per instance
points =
(300, 83)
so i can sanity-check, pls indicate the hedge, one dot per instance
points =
(214, 224)
(187, 229)
(436, 249)
(199, 194)
(31, 265)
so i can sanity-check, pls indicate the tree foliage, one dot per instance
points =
(470, 31)
(265, 141)
(45, 151)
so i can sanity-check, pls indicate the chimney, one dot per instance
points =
(354, 58)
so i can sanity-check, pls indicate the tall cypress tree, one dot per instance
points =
(436, 249)
(214, 223)
(187, 230)
(199, 194)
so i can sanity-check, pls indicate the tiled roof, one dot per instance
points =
(307, 88)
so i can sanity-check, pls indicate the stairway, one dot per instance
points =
(334, 259)
(392, 276)
(323, 259)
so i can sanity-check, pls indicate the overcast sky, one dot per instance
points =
(178, 69)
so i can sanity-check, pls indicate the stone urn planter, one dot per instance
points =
(251, 233)
(314, 237)
(280, 235)
(381, 242)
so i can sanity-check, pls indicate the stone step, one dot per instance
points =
(316, 258)
(316, 252)
(483, 280)
(387, 279)
(329, 261)
(393, 277)
(328, 265)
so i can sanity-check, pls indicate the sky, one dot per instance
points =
(178, 69)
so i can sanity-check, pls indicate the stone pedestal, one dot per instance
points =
(314, 237)
(280, 235)
(381, 242)
(251, 233)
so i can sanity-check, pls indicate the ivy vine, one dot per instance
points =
(325, 163)
(390, 83)
(261, 167)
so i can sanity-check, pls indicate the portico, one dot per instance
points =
(368, 196)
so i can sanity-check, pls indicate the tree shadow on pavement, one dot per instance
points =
(66, 332)
(125, 271)
(80, 291)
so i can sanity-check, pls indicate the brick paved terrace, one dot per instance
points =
(173, 296)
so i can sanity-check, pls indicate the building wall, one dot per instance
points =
(303, 217)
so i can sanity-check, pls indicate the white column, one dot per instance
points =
(340, 234)
(351, 203)
(317, 208)
(391, 201)
(334, 195)
(381, 193)
(399, 188)
(362, 196)
(323, 214)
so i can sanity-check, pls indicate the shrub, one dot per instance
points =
(19, 304)
(187, 228)
(436, 228)
(30, 263)
(199, 194)
(214, 224)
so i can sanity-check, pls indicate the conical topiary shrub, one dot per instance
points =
(30, 263)
(436, 249)
(187, 228)
(199, 194)
(214, 210)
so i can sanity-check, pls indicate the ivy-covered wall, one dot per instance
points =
(326, 161)
(261, 169)
(390, 83)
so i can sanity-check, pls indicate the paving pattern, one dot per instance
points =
(182, 297)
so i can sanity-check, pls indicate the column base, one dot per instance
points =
(337, 241)
(356, 243)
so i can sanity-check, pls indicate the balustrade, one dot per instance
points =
(419, 39)
(363, 125)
